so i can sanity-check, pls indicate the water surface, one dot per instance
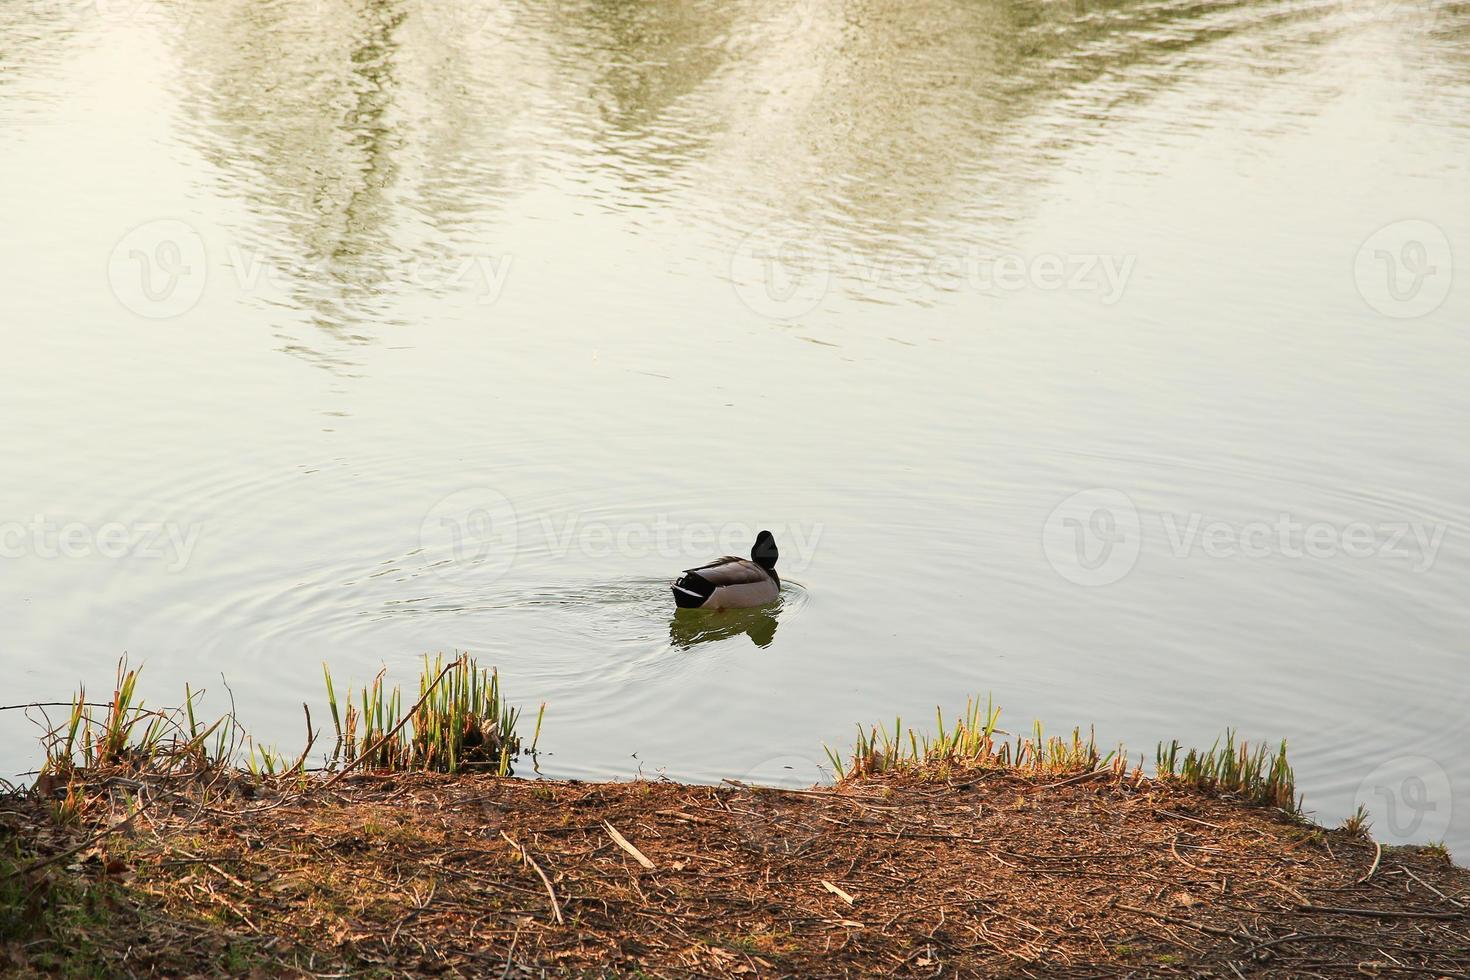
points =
(1106, 357)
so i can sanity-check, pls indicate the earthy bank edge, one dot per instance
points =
(920, 872)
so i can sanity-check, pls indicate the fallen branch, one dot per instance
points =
(622, 842)
(1174, 850)
(550, 892)
(1180, 816)
(1080, 777)
(1377, 856)
(1380, 913)
(1176, 920)
(1431, 887)
(1311, 937)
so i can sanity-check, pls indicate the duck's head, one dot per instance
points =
(764, 552)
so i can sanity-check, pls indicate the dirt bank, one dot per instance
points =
(988, 874)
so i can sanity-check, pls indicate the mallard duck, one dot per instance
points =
(730, 582)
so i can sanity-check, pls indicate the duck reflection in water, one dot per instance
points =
(691, 627)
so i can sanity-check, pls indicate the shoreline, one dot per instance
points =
(154, 842)
(924, 871)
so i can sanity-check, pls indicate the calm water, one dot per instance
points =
(1107, 357)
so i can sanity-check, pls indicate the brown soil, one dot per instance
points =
(986, 874)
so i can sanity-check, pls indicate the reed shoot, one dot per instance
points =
(972, 742)
(125, 733)
(1263, 777)
(461, 723)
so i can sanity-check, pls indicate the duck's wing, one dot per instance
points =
(730, 571)
(730, 583)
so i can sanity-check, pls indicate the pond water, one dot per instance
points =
(1109, 358)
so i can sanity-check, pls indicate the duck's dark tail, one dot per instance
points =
(692, 590)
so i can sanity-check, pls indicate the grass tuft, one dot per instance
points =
(972, 742)
(1439, 850)
(460, 721)
(1359, 823)
(1262, 777)
(122, 733)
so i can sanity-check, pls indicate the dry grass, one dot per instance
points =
(973, 741)
(905, 873)
(460, 720)
(1261, 777)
